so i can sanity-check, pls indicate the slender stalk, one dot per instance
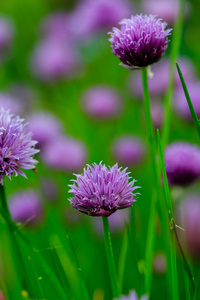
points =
(4, 203)
(149, 124)
(175, 234)
(110, 258)
(150, 245)
(197, 290)
(191, 107)
(177, 35)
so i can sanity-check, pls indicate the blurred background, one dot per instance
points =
(57, 72)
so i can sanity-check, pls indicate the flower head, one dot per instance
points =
(182, 162)
(25, 207)
(100, 191)
(65, 153)
(128, 150)
(101, 102)
(141, 41)
(16, 146)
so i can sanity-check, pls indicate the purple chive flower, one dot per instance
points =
(182, 162)
(66, 154)
(188, 212)
(25, 207)
(141, 41)
(128, 150)
(180, 102)
(100, 191)
(16, 146)
(132, 296)
(101, 102)
(53, 60)
(45, 127)
(94, 16)
(161, 74)
(6, 34)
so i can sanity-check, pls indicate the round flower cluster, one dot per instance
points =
(100, 191)
(16, 146)
(141, 41)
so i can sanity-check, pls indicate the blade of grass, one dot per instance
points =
(197, 290)
(177, 35)
(122, 259)
(173, 266)
(110, 258)
(194, 116)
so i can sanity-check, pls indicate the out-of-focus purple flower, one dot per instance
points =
(6, 34)
(2, 296)
(64, 153)
(161, 74)
(117, 222)
(132, 296)
(159, 263)
(50, 189)
(16, 146)
(157, 114)
(25, 207)
(56, 25)
(188, 212)
(10, 102)
(180, 102)
(101, 102)
(128, 150)
(141, 41)
(23, 93)
(167, 10)
(182, 162)
(94, 16)
(100, 191)
(53, 60)
(45, 127)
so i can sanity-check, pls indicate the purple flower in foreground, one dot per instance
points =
(16, 146)
(25, 207)
(132, 296)
(141, 41)
(100, 191)
(182, 162)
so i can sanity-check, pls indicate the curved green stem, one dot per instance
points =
(110, 258)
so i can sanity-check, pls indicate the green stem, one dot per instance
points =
(191, 107)
(149, 124)
(110, 258)
(177, 35)
(4, 203)
(197, 290)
